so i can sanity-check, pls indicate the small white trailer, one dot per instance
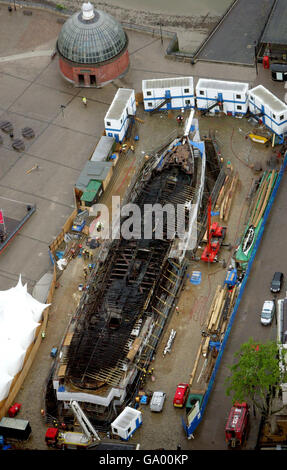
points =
(127, 423)
(213, 96)
(168, 93)
(270, 110)
(120, 113)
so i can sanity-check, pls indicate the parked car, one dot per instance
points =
(278, 72)
(181, 395)
(267, 312)
(276, 282)
(157, 401)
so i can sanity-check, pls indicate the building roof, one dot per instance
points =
(167, 82)
(93, 171)
(119, 103)
(91, 191)
(222, 85)
(91, 36)
(276, 28)
(268, 98)
(103, 148)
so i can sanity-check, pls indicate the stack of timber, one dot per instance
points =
(214, 331)
(226, 196)
(213, 318)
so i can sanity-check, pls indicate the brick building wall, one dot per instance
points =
(94, 75)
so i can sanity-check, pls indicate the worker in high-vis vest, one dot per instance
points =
(84, 100)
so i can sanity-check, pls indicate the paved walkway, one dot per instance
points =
(26, 55)
(235, 39)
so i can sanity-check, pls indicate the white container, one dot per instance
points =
(179, 91)
(157, 401)
(233, 95)
(127, 423)
(117, 119)
(274, 111)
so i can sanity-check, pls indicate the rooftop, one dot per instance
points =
(271, 100)
(91, 36)
(167, 82)
(223, 85)
(119, 103)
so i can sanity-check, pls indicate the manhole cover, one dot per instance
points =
(28, 133)
(6, 126)
(18, 144)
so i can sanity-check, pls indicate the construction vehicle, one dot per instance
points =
(216, 235)
(237, 426)
(61, 439)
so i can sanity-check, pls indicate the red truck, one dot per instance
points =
(237, 426)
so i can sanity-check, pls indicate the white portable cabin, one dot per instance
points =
(273, 110)
(117, 119)
(172, 93)
(232, 95)
(127, 423)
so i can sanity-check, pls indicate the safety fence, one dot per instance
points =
(195, 423)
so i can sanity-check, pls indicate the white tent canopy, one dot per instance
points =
(20, 315)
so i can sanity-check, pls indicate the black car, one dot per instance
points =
(279, 72)
(276, 283)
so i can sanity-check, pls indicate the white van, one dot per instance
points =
(157, 401)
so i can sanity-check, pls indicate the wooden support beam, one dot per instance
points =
(158, 311)
(170, 293)
(173, 282)
(164, 302)
(155, 336)
(195, 365)
(173, 274)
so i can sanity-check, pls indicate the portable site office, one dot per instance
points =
(103, 149)
(99, 171)
(168, 93)
(126, 423)
(232, 95)
(117, 119)
(272, 111)
(15, 428)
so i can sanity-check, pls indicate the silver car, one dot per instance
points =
(267, 312)
(157, 401)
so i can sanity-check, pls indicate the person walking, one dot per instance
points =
(84, 100)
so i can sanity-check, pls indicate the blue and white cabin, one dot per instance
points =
(120, 113)
(232, 95)
(168, 93)
(272, 111)
(127, 423)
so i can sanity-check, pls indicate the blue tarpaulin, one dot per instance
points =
(195, 277)
(198, 145)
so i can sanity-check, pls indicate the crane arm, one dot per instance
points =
(86, 425)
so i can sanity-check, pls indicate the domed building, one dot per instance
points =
(92, 48)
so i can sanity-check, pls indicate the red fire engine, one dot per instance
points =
(237, 426)
(216, 235)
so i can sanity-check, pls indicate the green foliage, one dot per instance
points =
(255, 374)
(60, 7)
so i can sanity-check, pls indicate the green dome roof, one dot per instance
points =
(91, 36)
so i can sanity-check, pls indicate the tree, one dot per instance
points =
(257, 375)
